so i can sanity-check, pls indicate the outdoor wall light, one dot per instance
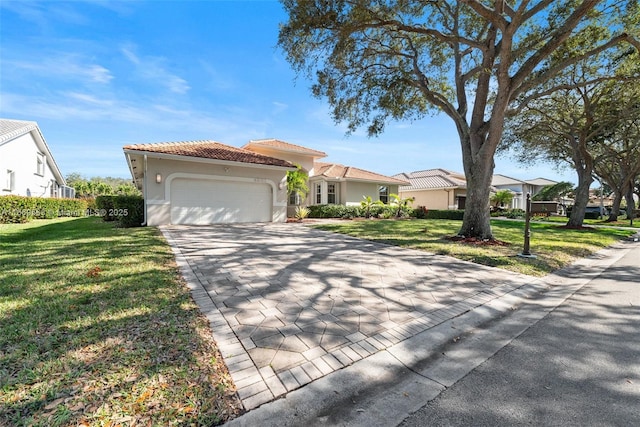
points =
(158, 178)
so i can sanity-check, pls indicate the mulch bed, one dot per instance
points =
(476, 241)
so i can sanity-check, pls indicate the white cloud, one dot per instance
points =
(152, 69)
(64, 65)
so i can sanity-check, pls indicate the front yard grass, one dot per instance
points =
(97, 329)
(554, 247)
(599, 222)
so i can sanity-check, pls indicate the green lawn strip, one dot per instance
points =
(554, 247)
(97, 329)
(599, 222)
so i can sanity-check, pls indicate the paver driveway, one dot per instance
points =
(289, 304)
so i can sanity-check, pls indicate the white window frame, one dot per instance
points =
(10, 180)
(385, 194)
(330, 193)
(40, 165)
(318, 194)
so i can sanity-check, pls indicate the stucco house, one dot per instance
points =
(444, 189)
(435, 188)
(329, 183)
(520, 188)
(27, 167)
(206, 182)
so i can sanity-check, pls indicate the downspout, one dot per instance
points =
(144, 191)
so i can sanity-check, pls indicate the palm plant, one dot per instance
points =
(297, 182)
(367, 204)
(400, 203)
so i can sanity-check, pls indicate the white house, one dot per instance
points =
(520, 188)
(27, 167)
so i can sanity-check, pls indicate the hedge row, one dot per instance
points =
(20, 209)
(128, 211)
(444, 214)
(343, 211)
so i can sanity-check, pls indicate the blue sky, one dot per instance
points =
(98, 75)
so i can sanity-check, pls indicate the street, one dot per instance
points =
(579, 365)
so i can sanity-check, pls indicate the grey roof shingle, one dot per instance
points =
(10, 129)
(432, 179)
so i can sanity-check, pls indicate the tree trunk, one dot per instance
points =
(631, 205)
(479, 173)
(615, 208)
(582, 198)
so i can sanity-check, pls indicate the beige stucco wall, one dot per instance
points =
(306, 162)
(20, 156)
(157, 195)
(356, 190)
(434, 199)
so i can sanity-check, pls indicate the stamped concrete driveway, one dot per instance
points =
(289, 304)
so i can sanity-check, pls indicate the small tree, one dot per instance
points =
(367, 204)
(502, 197)
(297, 183)
(401, 203)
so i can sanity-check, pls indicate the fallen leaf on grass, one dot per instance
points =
(54, 404)
(94, 272)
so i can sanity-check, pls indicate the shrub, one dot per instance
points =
(334, 211)
(514, 213)
(16, 209)
(302, 212)
(128, 210)
(104, 205)
(444, 214)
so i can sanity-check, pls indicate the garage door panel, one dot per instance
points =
(201, 201)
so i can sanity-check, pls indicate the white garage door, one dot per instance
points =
(202, 201)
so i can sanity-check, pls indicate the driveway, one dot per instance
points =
(289, 304)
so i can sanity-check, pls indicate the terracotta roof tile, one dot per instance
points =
(336, 171)
(276, 143)
(209, 150)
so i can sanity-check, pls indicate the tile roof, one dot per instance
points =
(337, 171)
(209, 150)
(432, 179)
(10, 129)
(286, 146)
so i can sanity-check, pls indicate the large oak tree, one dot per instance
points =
(470, 59)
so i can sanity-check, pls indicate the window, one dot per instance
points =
(10, 180)
(318, 194)
(331, 194)
(40, 164)
(294, 198)
(383, 193)
(54, 189)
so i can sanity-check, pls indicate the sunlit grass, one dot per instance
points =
(98, 330)
(555, 247)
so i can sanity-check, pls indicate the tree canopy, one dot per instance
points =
(469, 59)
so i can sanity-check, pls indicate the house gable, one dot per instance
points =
(27, 167)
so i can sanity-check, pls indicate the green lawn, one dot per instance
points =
(554, 247)
(97, 329)
(600, 222)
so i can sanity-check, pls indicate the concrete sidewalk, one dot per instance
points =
(350, 320)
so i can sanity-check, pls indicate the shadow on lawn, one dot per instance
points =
(73, 341)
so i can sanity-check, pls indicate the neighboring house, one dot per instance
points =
(27, 167)
(206, 182)
(520, 188)
(435, 188)
(443, 189)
